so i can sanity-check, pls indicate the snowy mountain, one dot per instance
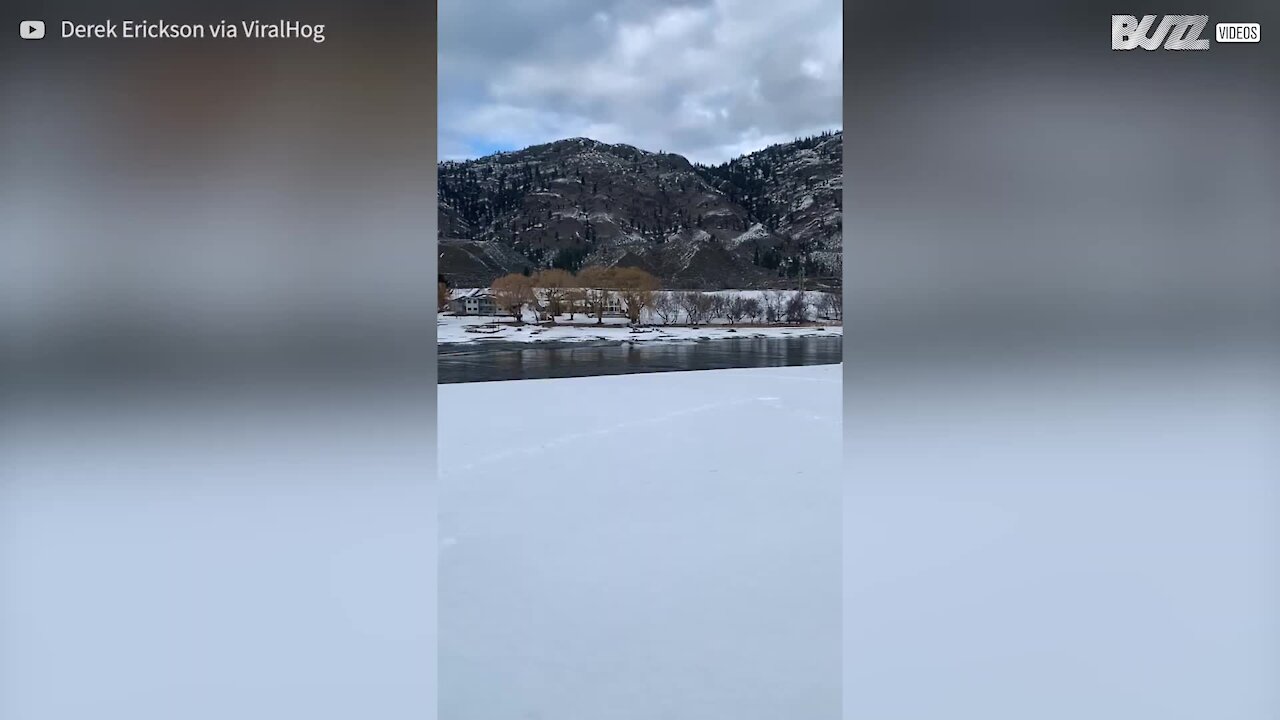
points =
(750, 222)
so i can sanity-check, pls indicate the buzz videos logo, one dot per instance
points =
(1176, 32)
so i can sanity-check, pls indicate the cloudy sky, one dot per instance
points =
(709, 79)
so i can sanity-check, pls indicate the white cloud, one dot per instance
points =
(813, 68)
(702, 78)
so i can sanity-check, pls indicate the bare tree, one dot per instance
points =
(512, 292)
(822, 306)
(574, 298)
(686, 301)
(696, 305)
(636, 289)
(735, 309)
(719, 307)
(797, 308)
(442, 297)
(772, 302)
(837, 305)
(752, 308)
(666, 307)
(597, 283)
(552, 288)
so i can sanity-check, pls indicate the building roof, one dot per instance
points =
(475, 294)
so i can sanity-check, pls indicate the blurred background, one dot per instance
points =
(217, 424)
(1061, 379)
(217, 410)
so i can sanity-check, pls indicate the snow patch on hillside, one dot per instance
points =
(755, 232)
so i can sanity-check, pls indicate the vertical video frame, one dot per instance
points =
(639, 333)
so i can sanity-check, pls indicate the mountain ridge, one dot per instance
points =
(760, 220)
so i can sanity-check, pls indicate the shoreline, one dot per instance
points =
(456, 334)
(501, 344)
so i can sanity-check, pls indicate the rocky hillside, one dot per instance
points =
(794, 192)
(751, 222)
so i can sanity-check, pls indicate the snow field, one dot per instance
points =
(641, 546)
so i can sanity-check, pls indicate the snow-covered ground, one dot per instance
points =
(250, 552)
(1063, 539)
(582, 328)
(464, 329)
(641, 546)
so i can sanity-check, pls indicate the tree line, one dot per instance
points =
(559, 291)
(555, 292)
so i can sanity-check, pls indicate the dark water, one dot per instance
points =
(482, 362)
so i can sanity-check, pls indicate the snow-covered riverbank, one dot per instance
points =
(466, 329)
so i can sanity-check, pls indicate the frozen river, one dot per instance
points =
(644, 546)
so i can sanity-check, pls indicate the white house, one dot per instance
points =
(475, 302)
